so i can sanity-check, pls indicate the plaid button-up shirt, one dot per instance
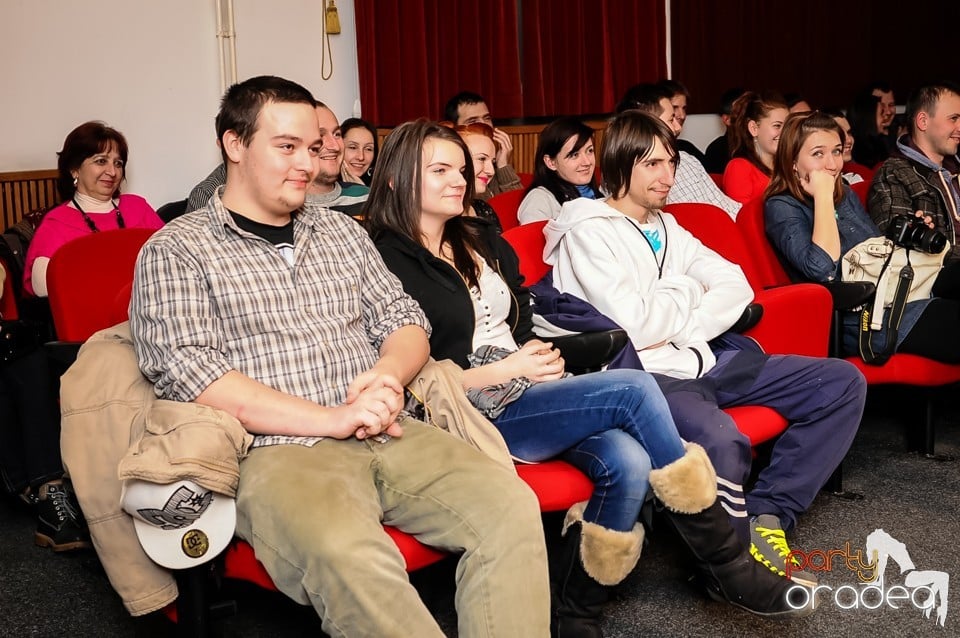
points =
(692, 183)
(209, 298)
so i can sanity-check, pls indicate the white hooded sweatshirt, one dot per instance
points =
(600, 255)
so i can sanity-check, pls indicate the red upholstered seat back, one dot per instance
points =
(506, 205)
(753, 230)
(861, 190)
(717, 231)
(85, 276)
(528, 242)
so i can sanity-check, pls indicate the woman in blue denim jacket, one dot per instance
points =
(813, 219)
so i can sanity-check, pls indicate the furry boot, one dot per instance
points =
(592, 559)
(688, 490)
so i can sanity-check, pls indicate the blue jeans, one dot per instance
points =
(614, 426)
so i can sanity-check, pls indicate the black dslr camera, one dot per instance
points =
(912, 233)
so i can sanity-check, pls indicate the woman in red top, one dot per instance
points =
(755, 123)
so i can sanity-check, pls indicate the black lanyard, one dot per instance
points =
(663, 259)
(93, 227)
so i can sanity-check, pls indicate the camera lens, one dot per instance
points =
(911, 233)
(932, 241)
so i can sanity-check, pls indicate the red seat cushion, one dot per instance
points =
(908, 369)
(751, 223)
(713, 227)
(557, 484)
(760, 424)
(241, 563)
(796, 320)
(528, 242)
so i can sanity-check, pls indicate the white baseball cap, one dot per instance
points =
(181, 524)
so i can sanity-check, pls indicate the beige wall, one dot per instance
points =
(151, 70)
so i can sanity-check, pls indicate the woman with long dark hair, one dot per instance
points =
(564, 169)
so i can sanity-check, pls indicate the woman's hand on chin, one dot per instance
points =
(818, 182)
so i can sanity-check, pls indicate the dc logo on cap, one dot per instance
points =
(182, 509)
(195, 543)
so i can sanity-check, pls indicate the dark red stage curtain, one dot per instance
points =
(413, 56)
(579, 56)
(823, 49)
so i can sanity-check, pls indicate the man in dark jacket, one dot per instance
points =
(921, 175)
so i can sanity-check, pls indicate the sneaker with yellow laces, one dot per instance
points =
(768, 545)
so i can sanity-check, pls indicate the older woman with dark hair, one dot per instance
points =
(563, 170)
(92, 167)
(360, 148)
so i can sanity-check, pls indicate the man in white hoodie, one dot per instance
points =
(692, 183)
(675, 297)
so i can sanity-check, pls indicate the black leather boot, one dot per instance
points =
(688, 490)
(591, 560)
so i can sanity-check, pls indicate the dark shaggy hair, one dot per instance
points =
(629, 138)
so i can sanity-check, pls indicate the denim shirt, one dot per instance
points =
(789, 225)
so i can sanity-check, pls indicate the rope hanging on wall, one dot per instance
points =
(331, 26)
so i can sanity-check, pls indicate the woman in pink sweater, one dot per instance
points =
(92, 167)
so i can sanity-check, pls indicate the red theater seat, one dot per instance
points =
(506, 205)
